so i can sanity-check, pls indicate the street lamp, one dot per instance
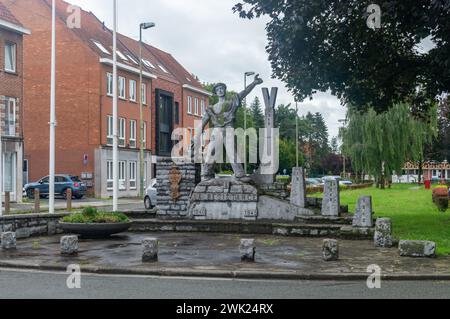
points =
(115, 116)
(246, 74)
(142, 26)
(51, 195)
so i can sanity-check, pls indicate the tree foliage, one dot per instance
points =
(380, 144)
(318, 45)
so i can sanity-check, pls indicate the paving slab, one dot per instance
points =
(217, 255)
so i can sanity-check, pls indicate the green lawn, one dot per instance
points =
(414, 216)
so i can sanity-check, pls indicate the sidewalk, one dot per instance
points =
(61, 204)
(217, 255)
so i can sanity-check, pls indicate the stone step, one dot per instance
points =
(319, 219)
(244, 227)
(140, 214)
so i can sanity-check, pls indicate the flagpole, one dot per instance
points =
(115, 116)
(51, 196)
(296, 132)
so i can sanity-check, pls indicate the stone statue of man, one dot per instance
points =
(223, 115)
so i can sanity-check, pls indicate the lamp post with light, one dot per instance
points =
(246, 74)
(142, 26)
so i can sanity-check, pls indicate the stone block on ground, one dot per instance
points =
(150, 248)
(8, 240)
(298, 188)
(330, 249)
(417, 248)
(247, 250)
(69, 245)
(383, 233)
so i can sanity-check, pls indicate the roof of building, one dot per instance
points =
(155, 61)
(10, 22)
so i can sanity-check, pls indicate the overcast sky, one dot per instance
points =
(210, 41)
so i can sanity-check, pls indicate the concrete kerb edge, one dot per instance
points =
(231, 274)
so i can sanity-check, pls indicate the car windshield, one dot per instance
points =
(75, 179)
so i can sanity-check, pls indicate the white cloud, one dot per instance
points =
(210, 41)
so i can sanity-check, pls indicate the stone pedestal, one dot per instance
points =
(330, 250)
(363, 212)
(247, 250)
(8, 240)
(69, 245)
(383, 233)
(331, 200)
(298, 190)
(417, 248)
(175, 182)
(224, 199)
(150, 248)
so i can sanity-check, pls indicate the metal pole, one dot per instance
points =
(245, 125)
(296, 133)
(1, 161)
(51, 196)
(141, 119)
(115, 117)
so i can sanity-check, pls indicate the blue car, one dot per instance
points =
(62, 184)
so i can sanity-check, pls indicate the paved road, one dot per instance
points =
(24, 284)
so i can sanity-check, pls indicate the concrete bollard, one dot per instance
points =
(69, 199)
(8, 240)
(150, 248)
(330, 249)
(69, 245)
(7, 203)
(247, 250)
(37, 201)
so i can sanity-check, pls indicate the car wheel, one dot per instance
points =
(79, 197)
(30, 193)
(147, 202)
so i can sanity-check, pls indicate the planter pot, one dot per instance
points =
(95, 230)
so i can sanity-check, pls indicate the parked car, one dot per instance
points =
(150, 195)
(345, 183)
(62, 184)
(311, 182)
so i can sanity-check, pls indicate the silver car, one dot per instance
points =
(150, 195)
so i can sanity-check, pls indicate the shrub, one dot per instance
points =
(440, 197)
(92, 216)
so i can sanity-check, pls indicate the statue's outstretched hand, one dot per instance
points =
(258, 80)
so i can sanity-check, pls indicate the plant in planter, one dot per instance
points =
(441, 198)
(91, 223)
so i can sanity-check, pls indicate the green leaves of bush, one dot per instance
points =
(91, 215)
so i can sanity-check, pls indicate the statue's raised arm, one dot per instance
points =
(250, 88)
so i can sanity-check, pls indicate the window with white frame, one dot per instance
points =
(122, 175)
(196, 106)
(189, 108)
(109, 84)
(10, 57)
(133, 173)
(101, 47)
(133, 90)
(122, 87)
(203, 105)
(109, 175)
(144, 138)
(10, 117)
(110, 131)
(122, 128)
(132, 133)
(132, 59)
(148, 63)
(121, 55)
(144, 93)
(163, 68)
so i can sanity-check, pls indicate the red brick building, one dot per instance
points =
(11, 101)
(84, 98)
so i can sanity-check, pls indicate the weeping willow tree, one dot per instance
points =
(379, 144)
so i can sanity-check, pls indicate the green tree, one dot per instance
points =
(319, 45)
(334, 147)
(380, 144)
(257, 114)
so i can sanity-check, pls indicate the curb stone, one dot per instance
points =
(232, 274)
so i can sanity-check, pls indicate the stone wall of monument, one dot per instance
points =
(175, 183)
